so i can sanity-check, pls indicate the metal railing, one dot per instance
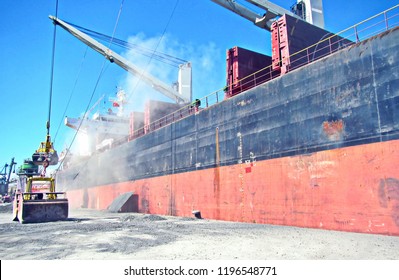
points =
(368, 28)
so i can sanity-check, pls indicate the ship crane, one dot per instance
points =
(181, 94)
(263, 21)
(5, 176)
(311, 11)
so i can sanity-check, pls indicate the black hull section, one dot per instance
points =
(348, 98)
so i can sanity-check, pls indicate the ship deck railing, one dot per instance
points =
(355, 34)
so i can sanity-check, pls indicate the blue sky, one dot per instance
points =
(198, 31)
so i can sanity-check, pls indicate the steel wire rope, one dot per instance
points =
(87, 108)
(52, 72)
(166, 58)
(102, 70)
(71, 94)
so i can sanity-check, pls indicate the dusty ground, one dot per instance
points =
(89, 234)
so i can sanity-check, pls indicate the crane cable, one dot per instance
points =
(163, 57)
(92, 95)
(48, 144)
(71, 94)
(52, 72)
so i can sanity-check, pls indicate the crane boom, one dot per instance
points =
(239, 9)
(263, 21)
(182, 95)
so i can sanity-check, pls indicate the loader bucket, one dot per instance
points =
(39, 211)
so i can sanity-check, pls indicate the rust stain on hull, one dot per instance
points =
(333, 129)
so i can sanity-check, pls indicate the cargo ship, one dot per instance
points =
(308, 137)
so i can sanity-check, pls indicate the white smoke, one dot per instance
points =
(206, 77)
(83, 144)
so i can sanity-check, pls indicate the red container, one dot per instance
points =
(245, 69)
(290, 36)
(159, 113)
(136, 122)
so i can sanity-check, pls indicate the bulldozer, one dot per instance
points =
(39, 202)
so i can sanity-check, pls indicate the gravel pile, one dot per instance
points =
(89, 234)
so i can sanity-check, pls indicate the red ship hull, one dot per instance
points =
(349, 189)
